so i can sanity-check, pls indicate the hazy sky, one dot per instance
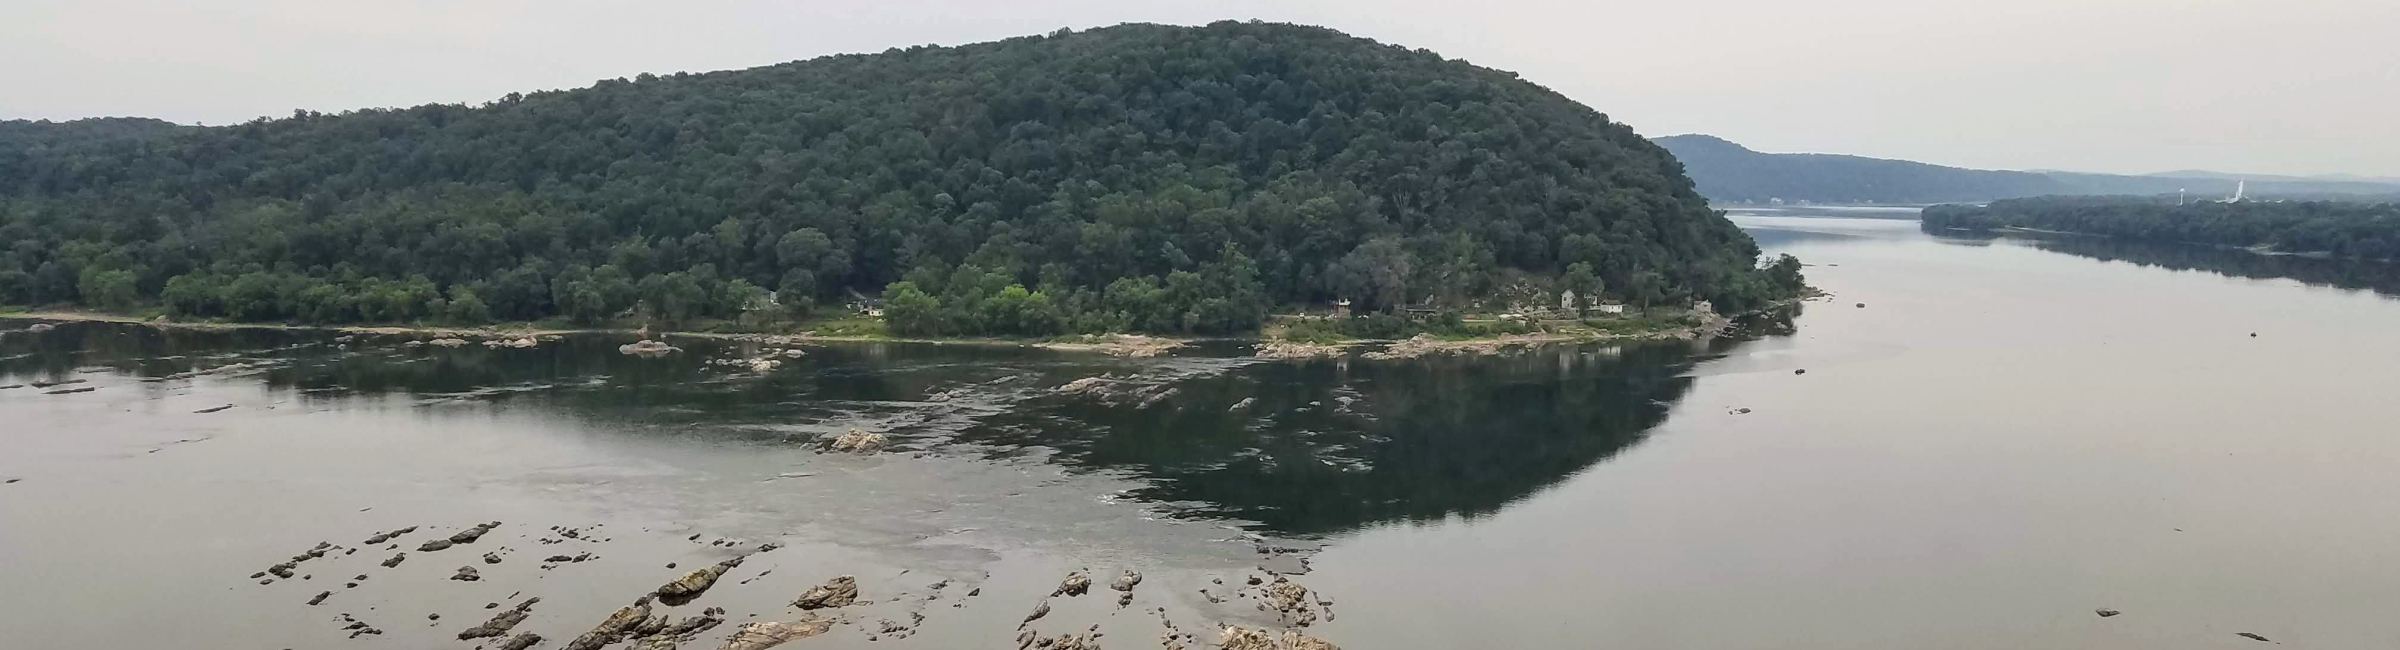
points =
(2289, 86)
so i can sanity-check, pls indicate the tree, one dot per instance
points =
(1374, 276)
(912, 312)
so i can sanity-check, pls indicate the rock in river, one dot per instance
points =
(856, 441)
(612, 629)
(1075, 585)
(2106, 612)
(521, 641)
(466, 574)
(691, 585)
(767, 634)
(501, 623)
(838, 592)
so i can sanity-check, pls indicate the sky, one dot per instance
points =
(2125, 86)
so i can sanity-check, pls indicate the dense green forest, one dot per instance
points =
(2342, 229)
(1132, 178)
(1730, 173)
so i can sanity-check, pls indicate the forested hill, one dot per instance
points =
(2340, 229)
(1135, 177)
(1730, 173)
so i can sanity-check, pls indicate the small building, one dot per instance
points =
(1610, 307)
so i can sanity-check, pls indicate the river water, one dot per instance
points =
(2008, 435)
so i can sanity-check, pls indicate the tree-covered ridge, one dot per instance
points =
(1730, 173)
(2341, 229)
(1135, 177)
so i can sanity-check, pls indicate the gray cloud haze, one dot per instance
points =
(2297, 87)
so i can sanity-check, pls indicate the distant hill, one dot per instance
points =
(1730, 173)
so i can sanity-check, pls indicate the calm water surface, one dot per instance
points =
(2008, 435)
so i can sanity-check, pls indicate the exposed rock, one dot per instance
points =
(213, 409)
(838, 592)
(2106, 612)
(1245, 403)
(435, 545)
(1799, 371)
(502, 622)
(1290, 601)
(861, 442)
(69, 391)
(1241, 638)
(466, 574)
(38, 328)
(321, 596)
(1280, 349)
(395, 561)
(385, 537)
(613, 628)
(1127, 581)
(691, 585)
(1862, 305)
(2252, 637)
(447, 342)
(491, 558)
(1076, 584)
(767, 634)
(473, 533)
(1069, 642)
(1040, 610)
(1025, 639)
(521, 641)
(647, 348)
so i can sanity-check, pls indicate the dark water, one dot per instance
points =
(2008, 436)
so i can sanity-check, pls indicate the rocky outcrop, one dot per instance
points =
(379, 538)
(466, 574)
(768, 634)
(522, 641)
(838, 592)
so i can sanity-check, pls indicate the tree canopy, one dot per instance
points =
(1139, 177)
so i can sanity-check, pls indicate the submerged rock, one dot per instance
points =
(838, 592)
(521, 641)
(767, 634)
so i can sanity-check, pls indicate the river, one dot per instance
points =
(2005, 437)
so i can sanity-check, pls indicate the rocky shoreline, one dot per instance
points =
(656, 619)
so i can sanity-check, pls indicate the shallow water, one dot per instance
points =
(2002, 440)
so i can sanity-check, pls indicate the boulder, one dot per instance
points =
(522, 641)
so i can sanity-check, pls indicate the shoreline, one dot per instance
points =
(1269, 344)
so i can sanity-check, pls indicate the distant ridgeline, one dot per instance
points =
(2341, 229)
(1730, 173)
(1139, 177)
